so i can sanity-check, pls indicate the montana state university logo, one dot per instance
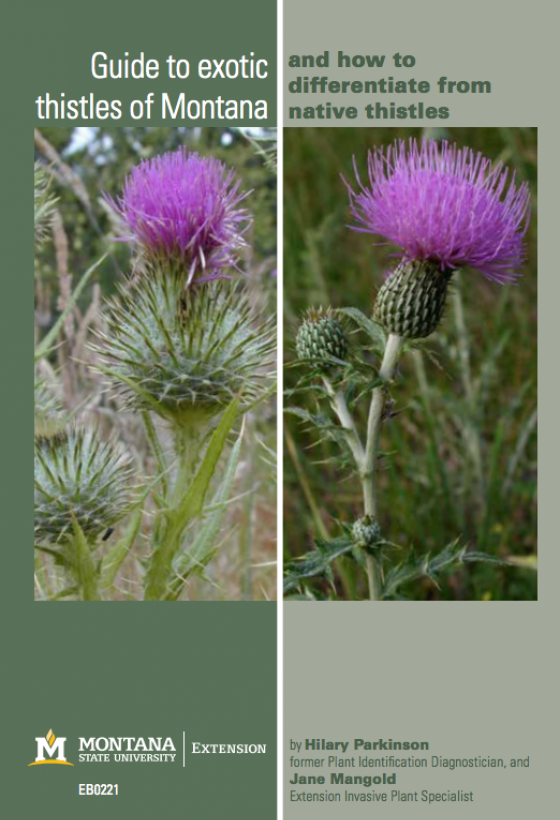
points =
(51, 746)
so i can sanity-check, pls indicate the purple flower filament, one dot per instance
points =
(445, 204)
(185, 208)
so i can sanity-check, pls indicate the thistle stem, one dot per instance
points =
(187, 446)
(373, 570)
(366, 458)
(83, 569)
(90, 592)
(341, 409)
(168, 530)
(387, 371)
(391, 357)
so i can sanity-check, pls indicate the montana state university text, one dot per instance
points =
(127, 749)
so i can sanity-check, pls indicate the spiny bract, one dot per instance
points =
(321, 336)
(79, 477)
(185, 352)
(412, 300)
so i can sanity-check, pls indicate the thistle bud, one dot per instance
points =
(366, 532)
(78, 478)
(186, 354)
(321, 336)
(411, 301)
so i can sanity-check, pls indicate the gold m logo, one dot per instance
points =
(50, 745)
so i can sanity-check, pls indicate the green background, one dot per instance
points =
(208, 670)
(59, 61)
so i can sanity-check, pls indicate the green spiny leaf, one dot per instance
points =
(204, 546)
(432, 566)
(193, 503)
(177, 519)
(372, 328)
(317, 563)
(114, 559)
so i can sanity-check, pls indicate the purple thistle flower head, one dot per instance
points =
(186, 209)
(445, 204)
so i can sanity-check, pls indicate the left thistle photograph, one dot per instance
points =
(154, 372)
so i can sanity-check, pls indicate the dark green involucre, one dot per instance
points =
(412, 300)
(321, 336)
(184, 352)
(79, 477)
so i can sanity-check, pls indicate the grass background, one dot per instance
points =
(463, 450)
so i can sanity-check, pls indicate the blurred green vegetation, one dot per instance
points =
(461, 458)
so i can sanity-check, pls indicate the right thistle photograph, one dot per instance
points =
(410, 373)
